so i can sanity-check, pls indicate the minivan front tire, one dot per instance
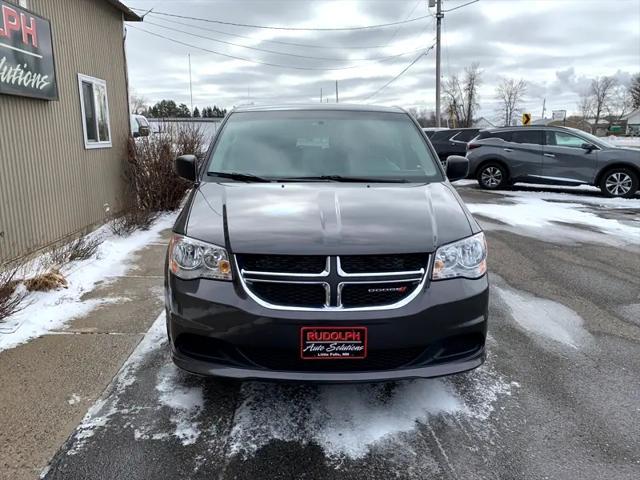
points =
(619, 182)
(492, 176)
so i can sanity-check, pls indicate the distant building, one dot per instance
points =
(64, 118)
(633, 123)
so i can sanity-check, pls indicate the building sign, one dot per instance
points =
(26, 54)
(559, 114)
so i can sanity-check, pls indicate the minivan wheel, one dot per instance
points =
(619, 182)
(492, 176)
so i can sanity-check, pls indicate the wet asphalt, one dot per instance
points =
(558, 398)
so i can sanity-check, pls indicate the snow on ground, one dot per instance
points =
(46, 311)
(554, 216)
(186, 403)
(544, 318)
(633, 142)
(347, 421)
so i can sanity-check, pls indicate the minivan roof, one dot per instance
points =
(319, 106)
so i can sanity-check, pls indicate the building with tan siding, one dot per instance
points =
(64, 118)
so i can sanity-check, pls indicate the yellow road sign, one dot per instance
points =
(526, 118)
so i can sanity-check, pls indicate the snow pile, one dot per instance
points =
(347, 421)
(551, 220)
(544, 317)
(48, 311)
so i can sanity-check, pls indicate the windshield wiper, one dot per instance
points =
(246, 177)
(341, 178)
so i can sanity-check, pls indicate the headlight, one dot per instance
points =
(464, 258)
(190, 258)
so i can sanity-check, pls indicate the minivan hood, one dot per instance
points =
(327, 218)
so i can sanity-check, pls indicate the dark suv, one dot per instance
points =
(452, 141)
(325, 243)
(552, 155)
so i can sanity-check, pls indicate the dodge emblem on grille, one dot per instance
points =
(388, 289)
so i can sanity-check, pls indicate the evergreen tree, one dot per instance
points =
(196, 113)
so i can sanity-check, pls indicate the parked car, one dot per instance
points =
(325, 243)
(552, 155)
(429, 131)
(140, 126)
(452, 141)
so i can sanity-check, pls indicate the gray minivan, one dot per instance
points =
(325, 243)
(552, 155)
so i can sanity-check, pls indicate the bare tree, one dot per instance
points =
(461, 96)
(138, 103)
(619, 104)
(510, 93)
(585, 105)
(601, 93)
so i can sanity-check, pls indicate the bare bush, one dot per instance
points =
(11, 300)
(81, 248)
(131, 220)
(153, 184)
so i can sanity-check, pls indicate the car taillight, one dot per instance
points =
(471, 146)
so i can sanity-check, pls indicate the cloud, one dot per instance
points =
(556, 46)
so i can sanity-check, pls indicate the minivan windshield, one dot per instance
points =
(322, 145)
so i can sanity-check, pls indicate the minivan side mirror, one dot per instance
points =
(457, 167)
(186, 167)
(588, 146)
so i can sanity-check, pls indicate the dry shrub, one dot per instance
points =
(11, 300)
(51, 280)
(132, 219)
(153, 184)
(81, 248)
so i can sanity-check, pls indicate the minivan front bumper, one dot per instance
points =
(216, 329)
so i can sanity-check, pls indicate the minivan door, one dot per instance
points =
(566, 160)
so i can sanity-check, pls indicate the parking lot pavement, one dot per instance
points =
(558, 398)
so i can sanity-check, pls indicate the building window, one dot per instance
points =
(95, 112)
(23, 3)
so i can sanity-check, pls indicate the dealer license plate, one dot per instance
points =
(333, 343)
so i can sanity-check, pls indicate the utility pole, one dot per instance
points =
(439, 16)
(544, 107)
(336, 91)
(190, 85)
(320, 94)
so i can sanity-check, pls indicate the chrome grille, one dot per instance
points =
(299, 282)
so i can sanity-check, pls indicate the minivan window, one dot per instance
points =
(294, 144)
(527, 136)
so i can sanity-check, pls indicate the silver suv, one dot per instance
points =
(552, 155)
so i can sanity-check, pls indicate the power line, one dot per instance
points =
(413, 62)
(460, 6)
(309, 57)
(279, 42)
(258, 62)
(269, 27)
(395, 32)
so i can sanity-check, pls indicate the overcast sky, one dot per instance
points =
(555, 45)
